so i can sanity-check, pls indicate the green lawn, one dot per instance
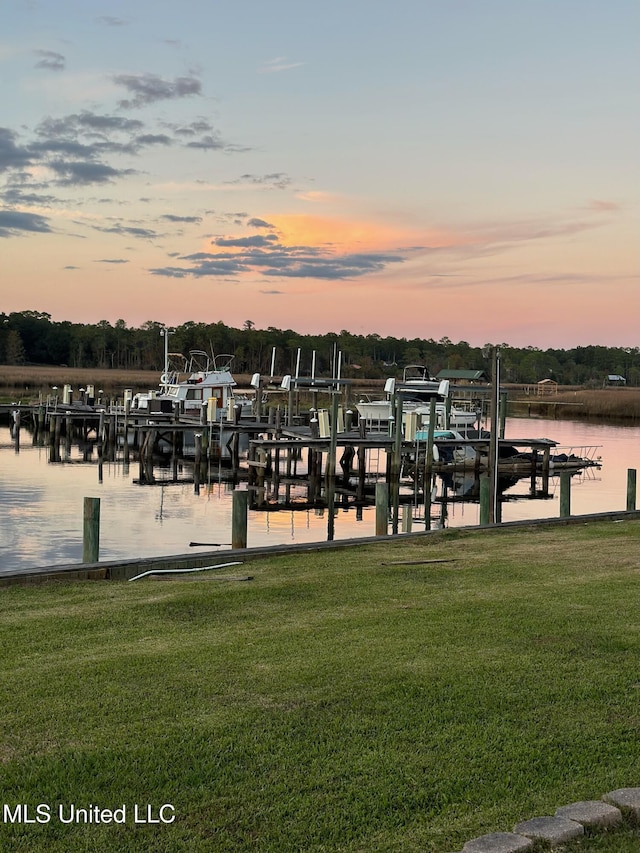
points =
(346, 701)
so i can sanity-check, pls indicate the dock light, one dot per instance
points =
(390, 385)
(255, 380)
(443, 388)
(286, 382)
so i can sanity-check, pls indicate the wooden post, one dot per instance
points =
(362, 472)
(382, 509)
(503, 412)
(333, 441)
(239, 519)
(485, 499)
(197, 462)
(428, 467)
(290, 407)
(565, 494)
(91, 530)
(546, 464)
(395, 464)
(494, 435)
(631, 489)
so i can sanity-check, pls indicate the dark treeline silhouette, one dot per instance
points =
(32, 337)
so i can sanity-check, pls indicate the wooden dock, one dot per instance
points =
(270, 455)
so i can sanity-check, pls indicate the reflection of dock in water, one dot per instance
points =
(320, 460)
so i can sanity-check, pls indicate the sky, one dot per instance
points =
(410, 168)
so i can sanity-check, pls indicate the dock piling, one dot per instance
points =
(239, 506)
(91, 530)
(382, 509)
(565, 494)
(631, 489)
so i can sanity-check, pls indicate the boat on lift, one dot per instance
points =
(192, 383)
(417, 389)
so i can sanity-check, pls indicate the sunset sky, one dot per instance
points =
(415, 168)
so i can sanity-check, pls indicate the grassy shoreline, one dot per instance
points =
(363, 699)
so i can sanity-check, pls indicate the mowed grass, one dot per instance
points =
(352, 700)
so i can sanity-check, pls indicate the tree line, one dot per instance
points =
(32, 337)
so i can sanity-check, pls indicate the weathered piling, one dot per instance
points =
(485, 499)
(394, 477)
(91, 530)
(197, 464)
(631, 489)
(239, 506)
(382, 509)
(428, 466)
(565, 494)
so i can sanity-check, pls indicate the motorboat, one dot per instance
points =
(416, 389)
(192, 383)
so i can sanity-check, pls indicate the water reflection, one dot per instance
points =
(41, 498)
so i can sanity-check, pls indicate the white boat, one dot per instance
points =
(191, 384)
(460, 454)
(416, 390)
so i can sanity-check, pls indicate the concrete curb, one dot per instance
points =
(569, 822)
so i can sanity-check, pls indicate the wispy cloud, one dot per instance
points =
(602, 206)
(280, 63)
(14, 222)
(191, 220)
(50, 60)
(149, 88)
(273, 180)
(111, 21)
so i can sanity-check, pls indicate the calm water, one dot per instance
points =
(41, 503)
